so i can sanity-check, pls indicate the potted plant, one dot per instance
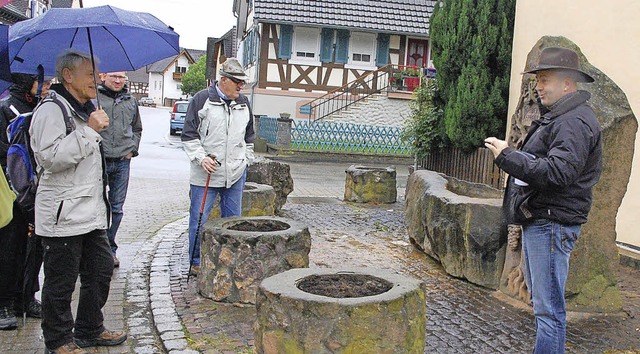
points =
(411, 78)
(285, 116)
(395, 81)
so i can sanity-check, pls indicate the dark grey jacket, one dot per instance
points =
(562, 161)
(125, 127)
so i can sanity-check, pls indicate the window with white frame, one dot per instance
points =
(306, 44)
(362, 48)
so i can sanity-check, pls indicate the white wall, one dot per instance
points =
(607, 33)
(156, 82)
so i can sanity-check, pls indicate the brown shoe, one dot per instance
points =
(195, 270)
(106, 339)
(69, 348)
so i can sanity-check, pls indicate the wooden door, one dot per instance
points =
(417, 52)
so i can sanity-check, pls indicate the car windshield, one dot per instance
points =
(182, 107)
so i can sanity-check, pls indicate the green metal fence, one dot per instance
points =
(348, 137)
(341, 137)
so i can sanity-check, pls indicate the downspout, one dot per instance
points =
(162, 90)
(257, 64)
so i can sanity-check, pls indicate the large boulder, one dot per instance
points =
(591, 285)
(273, 173)
(459, 224)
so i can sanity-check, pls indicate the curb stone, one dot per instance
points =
(152, 318)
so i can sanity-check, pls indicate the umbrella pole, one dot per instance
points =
(93, 63)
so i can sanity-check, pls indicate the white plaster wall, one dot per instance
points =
(155, 87)
(607, 33)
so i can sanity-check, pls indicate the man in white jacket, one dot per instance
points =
(71, 210)
(218, 138)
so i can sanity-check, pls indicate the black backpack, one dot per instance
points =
(21, 164)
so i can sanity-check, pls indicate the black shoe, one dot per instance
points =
(34, 309)
(106, 339)
(7, 319)
(116, 262)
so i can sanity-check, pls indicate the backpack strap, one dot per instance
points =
(69, 124)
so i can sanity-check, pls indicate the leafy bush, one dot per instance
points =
(425, 129)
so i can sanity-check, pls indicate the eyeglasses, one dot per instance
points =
(237, 82)
(118, 77)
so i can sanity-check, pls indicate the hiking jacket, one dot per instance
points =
(225, 130)
(561, 161)
(70, 199)
(123, 134)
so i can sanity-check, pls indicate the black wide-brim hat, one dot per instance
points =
(560, 58)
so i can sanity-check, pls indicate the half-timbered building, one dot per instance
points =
(296, 51)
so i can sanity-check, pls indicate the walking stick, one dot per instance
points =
(193, 251)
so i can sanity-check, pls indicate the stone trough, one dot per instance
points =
(340, 311)
(238, 253)
(459, 224)
(257, 200)
(366, 184)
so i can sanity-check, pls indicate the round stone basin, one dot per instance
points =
(319, 311)
(238, 253)
(344, 285)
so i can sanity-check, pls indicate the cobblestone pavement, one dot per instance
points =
(151, 299)
(146, 213)
(461, 317)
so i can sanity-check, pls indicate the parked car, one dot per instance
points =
(147, 101)
(177, 116)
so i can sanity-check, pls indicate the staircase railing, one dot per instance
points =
(362, 87)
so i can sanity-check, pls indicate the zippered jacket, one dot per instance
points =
(123, 134)
(561, 161)
(70, 199)
(213, 127)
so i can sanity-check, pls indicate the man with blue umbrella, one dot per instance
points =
(71, 211)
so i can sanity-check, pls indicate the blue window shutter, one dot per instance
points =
(326, 45)
(342, 47)
(382, 54)
(284, 49)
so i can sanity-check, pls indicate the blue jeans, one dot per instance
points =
(230, 205)
(547, 248)
(118, 178)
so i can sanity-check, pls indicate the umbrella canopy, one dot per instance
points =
(5, 74)
(122, 40)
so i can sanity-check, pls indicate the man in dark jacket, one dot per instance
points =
(13, 237)
(550, 186)
(120, 141)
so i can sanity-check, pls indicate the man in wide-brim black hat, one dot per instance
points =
(549, 191)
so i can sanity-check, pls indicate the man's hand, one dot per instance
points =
(98, 120)
(495, 145)
(209, 164)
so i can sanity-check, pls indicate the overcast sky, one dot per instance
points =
(193, 20)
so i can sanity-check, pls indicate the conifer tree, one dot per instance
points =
(471, 45)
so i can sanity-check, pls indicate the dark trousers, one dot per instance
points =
(118, 173)
(88, 255)
(20, 261)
